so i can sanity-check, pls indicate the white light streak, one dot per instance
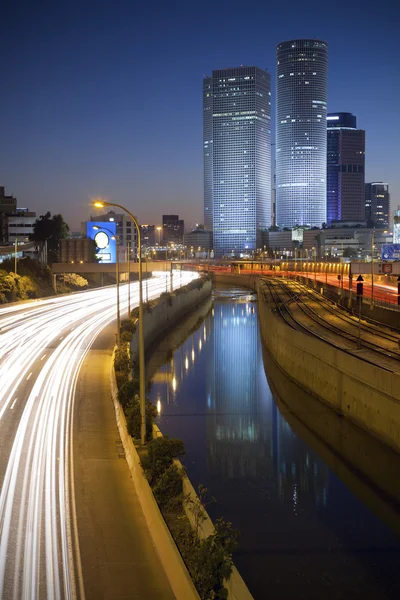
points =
(37, 547)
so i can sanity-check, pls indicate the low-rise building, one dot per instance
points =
(19, 225)
(199, 239)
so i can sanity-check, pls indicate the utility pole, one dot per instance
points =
(15, 255)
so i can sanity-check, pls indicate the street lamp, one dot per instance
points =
(372, 265)
(15, 255)
(102, 204)
(159, 234)
(114, 237)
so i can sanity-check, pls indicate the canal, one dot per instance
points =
(316, 500)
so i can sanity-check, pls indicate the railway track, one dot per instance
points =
(305, 311)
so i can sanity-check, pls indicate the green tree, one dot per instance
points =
(349, 252)
(50, 229)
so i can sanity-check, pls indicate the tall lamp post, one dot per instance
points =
(15, 255)
(129, 277)
(114, 237)
(102, 204)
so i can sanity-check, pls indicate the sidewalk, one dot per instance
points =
(119, 561)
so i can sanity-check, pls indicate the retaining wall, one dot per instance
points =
(364, 393)
(164, 316)
(171, 560)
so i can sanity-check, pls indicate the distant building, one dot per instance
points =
(199, 239)
(237, 158)
(377, 204)
(396, 227)
(301, 101)
(19, 225)
(345, 192)
(148, 235)
(173, 229)
(77, 250)
(331, 242)
(8, 206)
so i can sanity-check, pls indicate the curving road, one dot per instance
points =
(42, 349)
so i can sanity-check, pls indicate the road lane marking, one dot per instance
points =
(13, 404)
(44, 356)
(61, 338)
(29, 376)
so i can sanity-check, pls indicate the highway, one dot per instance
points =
(42, 348)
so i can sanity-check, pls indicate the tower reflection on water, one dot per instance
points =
(246, 436)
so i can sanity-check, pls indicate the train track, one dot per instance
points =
(305, 311)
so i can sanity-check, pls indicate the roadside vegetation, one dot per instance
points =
(208, 559)
(33, 281)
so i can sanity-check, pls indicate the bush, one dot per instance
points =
(134, 419)
(127, 392)
(160, 454)
(168, 489)
(122, 361)
(126, 337)
(74, 280)
(210, 561)
(135, 313)
(128, 325)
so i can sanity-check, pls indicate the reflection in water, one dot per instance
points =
(304, 533)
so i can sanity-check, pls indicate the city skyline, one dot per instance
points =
(82, 112)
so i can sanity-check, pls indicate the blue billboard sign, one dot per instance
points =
(390, 251)
(102, 234)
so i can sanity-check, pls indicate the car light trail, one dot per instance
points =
(39, 549)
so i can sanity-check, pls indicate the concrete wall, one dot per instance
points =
(364, 393)
(162, 316)
(354, 455)
(175, 569)
(248, 281)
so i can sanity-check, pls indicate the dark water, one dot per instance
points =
(317, 501)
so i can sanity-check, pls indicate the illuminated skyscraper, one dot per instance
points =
(237, 158)
(345, 169)
(301, 100)
(377, 204)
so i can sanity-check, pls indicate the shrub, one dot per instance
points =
(122, 361)
(126, 337)
(134, 419)
(135, 313)
(211, 561)
(168, 489)
(127, 392)
(160, 454)
(128, 325)
(74, 280)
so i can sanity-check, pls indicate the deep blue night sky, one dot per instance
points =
(105, 98)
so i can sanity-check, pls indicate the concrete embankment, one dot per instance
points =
(166, 314)
(365, 464)
(366, 394)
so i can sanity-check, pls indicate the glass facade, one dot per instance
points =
(237, 158)
(301, 102)
(345, 190)
(377, 204)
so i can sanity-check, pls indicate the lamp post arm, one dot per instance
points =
(141, 329)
